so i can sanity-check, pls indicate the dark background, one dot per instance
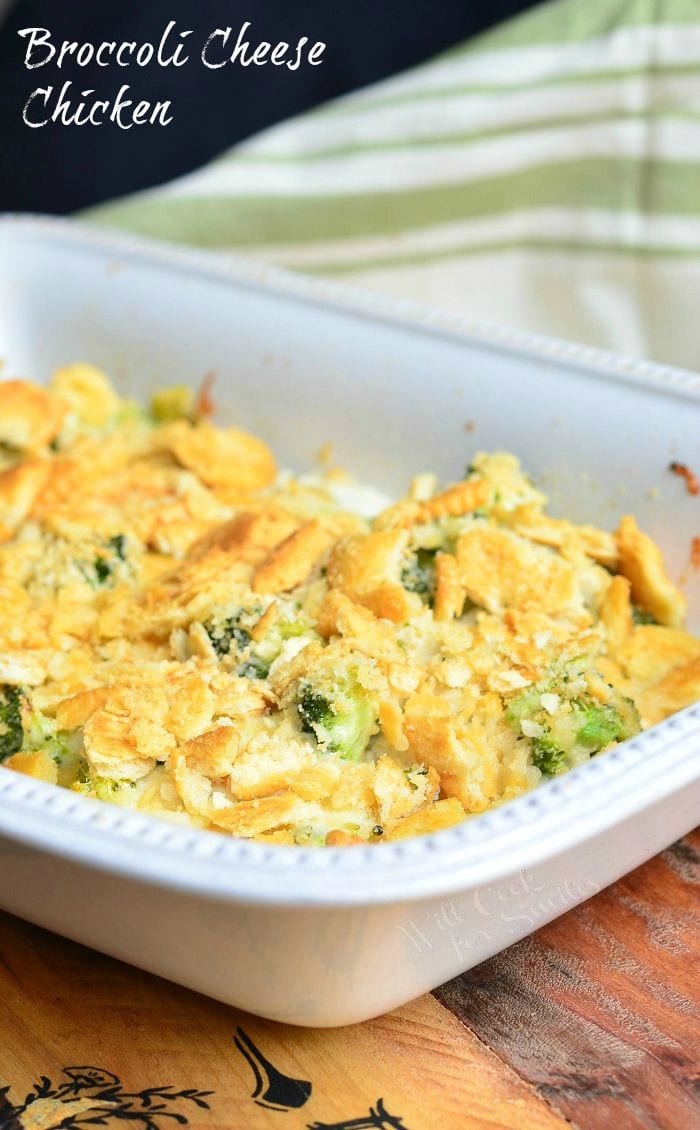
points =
(63, 168)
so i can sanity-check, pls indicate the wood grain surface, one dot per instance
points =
(64, 1005)
(594, 1021)
(600, 1010)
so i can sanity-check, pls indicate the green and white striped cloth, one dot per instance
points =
(545, 175)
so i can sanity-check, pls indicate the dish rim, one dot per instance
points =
(484, 849)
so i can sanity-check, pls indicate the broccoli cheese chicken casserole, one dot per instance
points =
(186, 632)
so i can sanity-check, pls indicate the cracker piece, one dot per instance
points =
(616, 613)
(529, 521)
(680, 688)
(449, 591)
(445, 813)
(19, 489)
(86, 392)
(367, 569)
(29, 416)
(221, 457)
(641, 561)
(500, 570)
(38, 764)
(291, 562)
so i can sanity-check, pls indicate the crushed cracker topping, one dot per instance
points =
(188, 633)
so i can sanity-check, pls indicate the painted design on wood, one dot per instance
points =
(273, 1089)
(377, 1119)
(91, 1096)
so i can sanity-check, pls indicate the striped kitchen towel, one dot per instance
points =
(546, 175)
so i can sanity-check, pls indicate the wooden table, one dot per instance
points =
(592, 1021)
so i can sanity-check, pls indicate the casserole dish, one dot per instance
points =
(335, 936)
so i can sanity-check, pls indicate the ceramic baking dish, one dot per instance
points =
(334, 936)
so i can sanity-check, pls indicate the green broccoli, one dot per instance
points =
(412, 772)
(41, 732)
(573, 725)
(307, 836)
(341, 718)
(546, 757)
(254, 669)
(22, 727)
(9, 455)
(290, 624)
(526, 705)
(641, 616)
(131, 412)
(419, 574)
(11, 728)
(600, 724)
(232, 635)
(118, 544)
(174, 403)
(102, 570)
(103, 788)
(225, 634)
(314, 708)
(105, 564)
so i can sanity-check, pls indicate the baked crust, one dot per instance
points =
(30, 418)
(186, 633)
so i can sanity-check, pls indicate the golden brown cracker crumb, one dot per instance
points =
(642, 563)
(337, 838)
(449, 592)
(30, 418)
(290, 563)
(185, 633)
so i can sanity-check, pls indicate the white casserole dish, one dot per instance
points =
(335, 936)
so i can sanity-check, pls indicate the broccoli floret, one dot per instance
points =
(313, 709)
(232, 635)
(525, 705)
(118, 544)
(291, 624)
(174, 403)
(131, 412)
(254, 669)
(103, 570)
(641, 616)
(419, 574)
(341, 718)
(599, 725)
(9, 455)
(576, 725)
(309, 837)
(224, 634)
(290, 629)
(103, 788)
(546, 757)
(11, 728)
(412, 772)
(105, 564)
(22, 727)
(41, 732)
